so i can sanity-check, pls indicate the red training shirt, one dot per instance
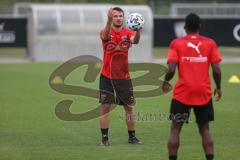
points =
(194, 54)
(115, 58)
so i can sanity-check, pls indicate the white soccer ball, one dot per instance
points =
(135, 21)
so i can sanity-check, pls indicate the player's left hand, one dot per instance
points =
(166, 87)
(138, 29)
(218, 94)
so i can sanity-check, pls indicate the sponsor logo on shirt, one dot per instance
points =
(196, 47)
(194, 59)
(199, 59)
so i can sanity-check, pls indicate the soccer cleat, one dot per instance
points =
(134, 140)
(104, 142)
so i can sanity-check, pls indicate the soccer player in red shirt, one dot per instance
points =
(193, 55)
(115, 83)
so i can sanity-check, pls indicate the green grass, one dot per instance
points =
(30, 130)
(162, 52)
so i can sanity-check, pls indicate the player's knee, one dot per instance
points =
(128, 109)
(176, 127)
(203, 130)
(105, 108)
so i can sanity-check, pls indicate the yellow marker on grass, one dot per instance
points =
(234, 79)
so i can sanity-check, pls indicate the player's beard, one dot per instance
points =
(118, 25)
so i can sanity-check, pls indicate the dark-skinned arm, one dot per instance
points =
(216, 72)
(171, 71)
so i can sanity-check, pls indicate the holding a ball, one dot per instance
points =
(115, 82)
(135, 21)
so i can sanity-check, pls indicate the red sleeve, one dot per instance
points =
(172, 53)
(215, 55)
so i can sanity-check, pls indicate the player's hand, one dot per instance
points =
(138, 29)
(218, 94)
(166, 87)
(110, 15)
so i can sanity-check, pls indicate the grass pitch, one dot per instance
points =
(30, 130)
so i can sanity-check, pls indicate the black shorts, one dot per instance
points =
(116, 91)
(180, 112)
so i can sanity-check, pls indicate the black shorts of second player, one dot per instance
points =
(116, 91)
(180, 112)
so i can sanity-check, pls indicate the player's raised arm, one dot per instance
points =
(135, 22)
(136, 38)
(106, 31)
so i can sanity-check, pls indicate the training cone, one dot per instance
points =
(234, 79)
